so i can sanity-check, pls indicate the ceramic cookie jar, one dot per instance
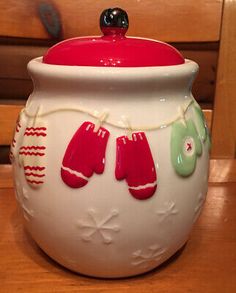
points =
(111, 152)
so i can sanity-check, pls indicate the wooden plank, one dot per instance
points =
(175, 21)
(6, 176)
(8, 116)
(4, 154)
(13, 89)
(224, 119)
(222, 171)
(15, 58)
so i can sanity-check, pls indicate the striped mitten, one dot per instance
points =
(32, 153)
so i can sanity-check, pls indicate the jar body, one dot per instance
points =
(100, 229)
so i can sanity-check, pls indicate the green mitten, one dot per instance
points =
(185, 147)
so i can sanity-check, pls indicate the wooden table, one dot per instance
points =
(206, 264)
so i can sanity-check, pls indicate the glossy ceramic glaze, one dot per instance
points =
(111, 163)
(84, 155)
(135, 164)
(101, 226)
(113, 49)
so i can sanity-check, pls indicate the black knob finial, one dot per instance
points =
(112, 19)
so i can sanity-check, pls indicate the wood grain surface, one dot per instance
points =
(8, 117)
(207, 263)
(44, 19)
(222, 171)
(224, 119)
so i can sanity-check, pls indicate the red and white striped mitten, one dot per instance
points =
(32, 153)
(134, 163)
(84, 155)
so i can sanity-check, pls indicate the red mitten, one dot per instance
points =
(84, 155)
(134, 163)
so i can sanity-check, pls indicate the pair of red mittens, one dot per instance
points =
(85, 155)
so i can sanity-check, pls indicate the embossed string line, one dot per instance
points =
(180, 116)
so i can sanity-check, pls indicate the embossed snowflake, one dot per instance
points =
(148, 257)
(97, 225)
(168, 211)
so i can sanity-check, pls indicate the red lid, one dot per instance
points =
(113, 49)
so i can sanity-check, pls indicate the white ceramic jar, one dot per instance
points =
(111, 162)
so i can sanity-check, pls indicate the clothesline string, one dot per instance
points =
(103, 117)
